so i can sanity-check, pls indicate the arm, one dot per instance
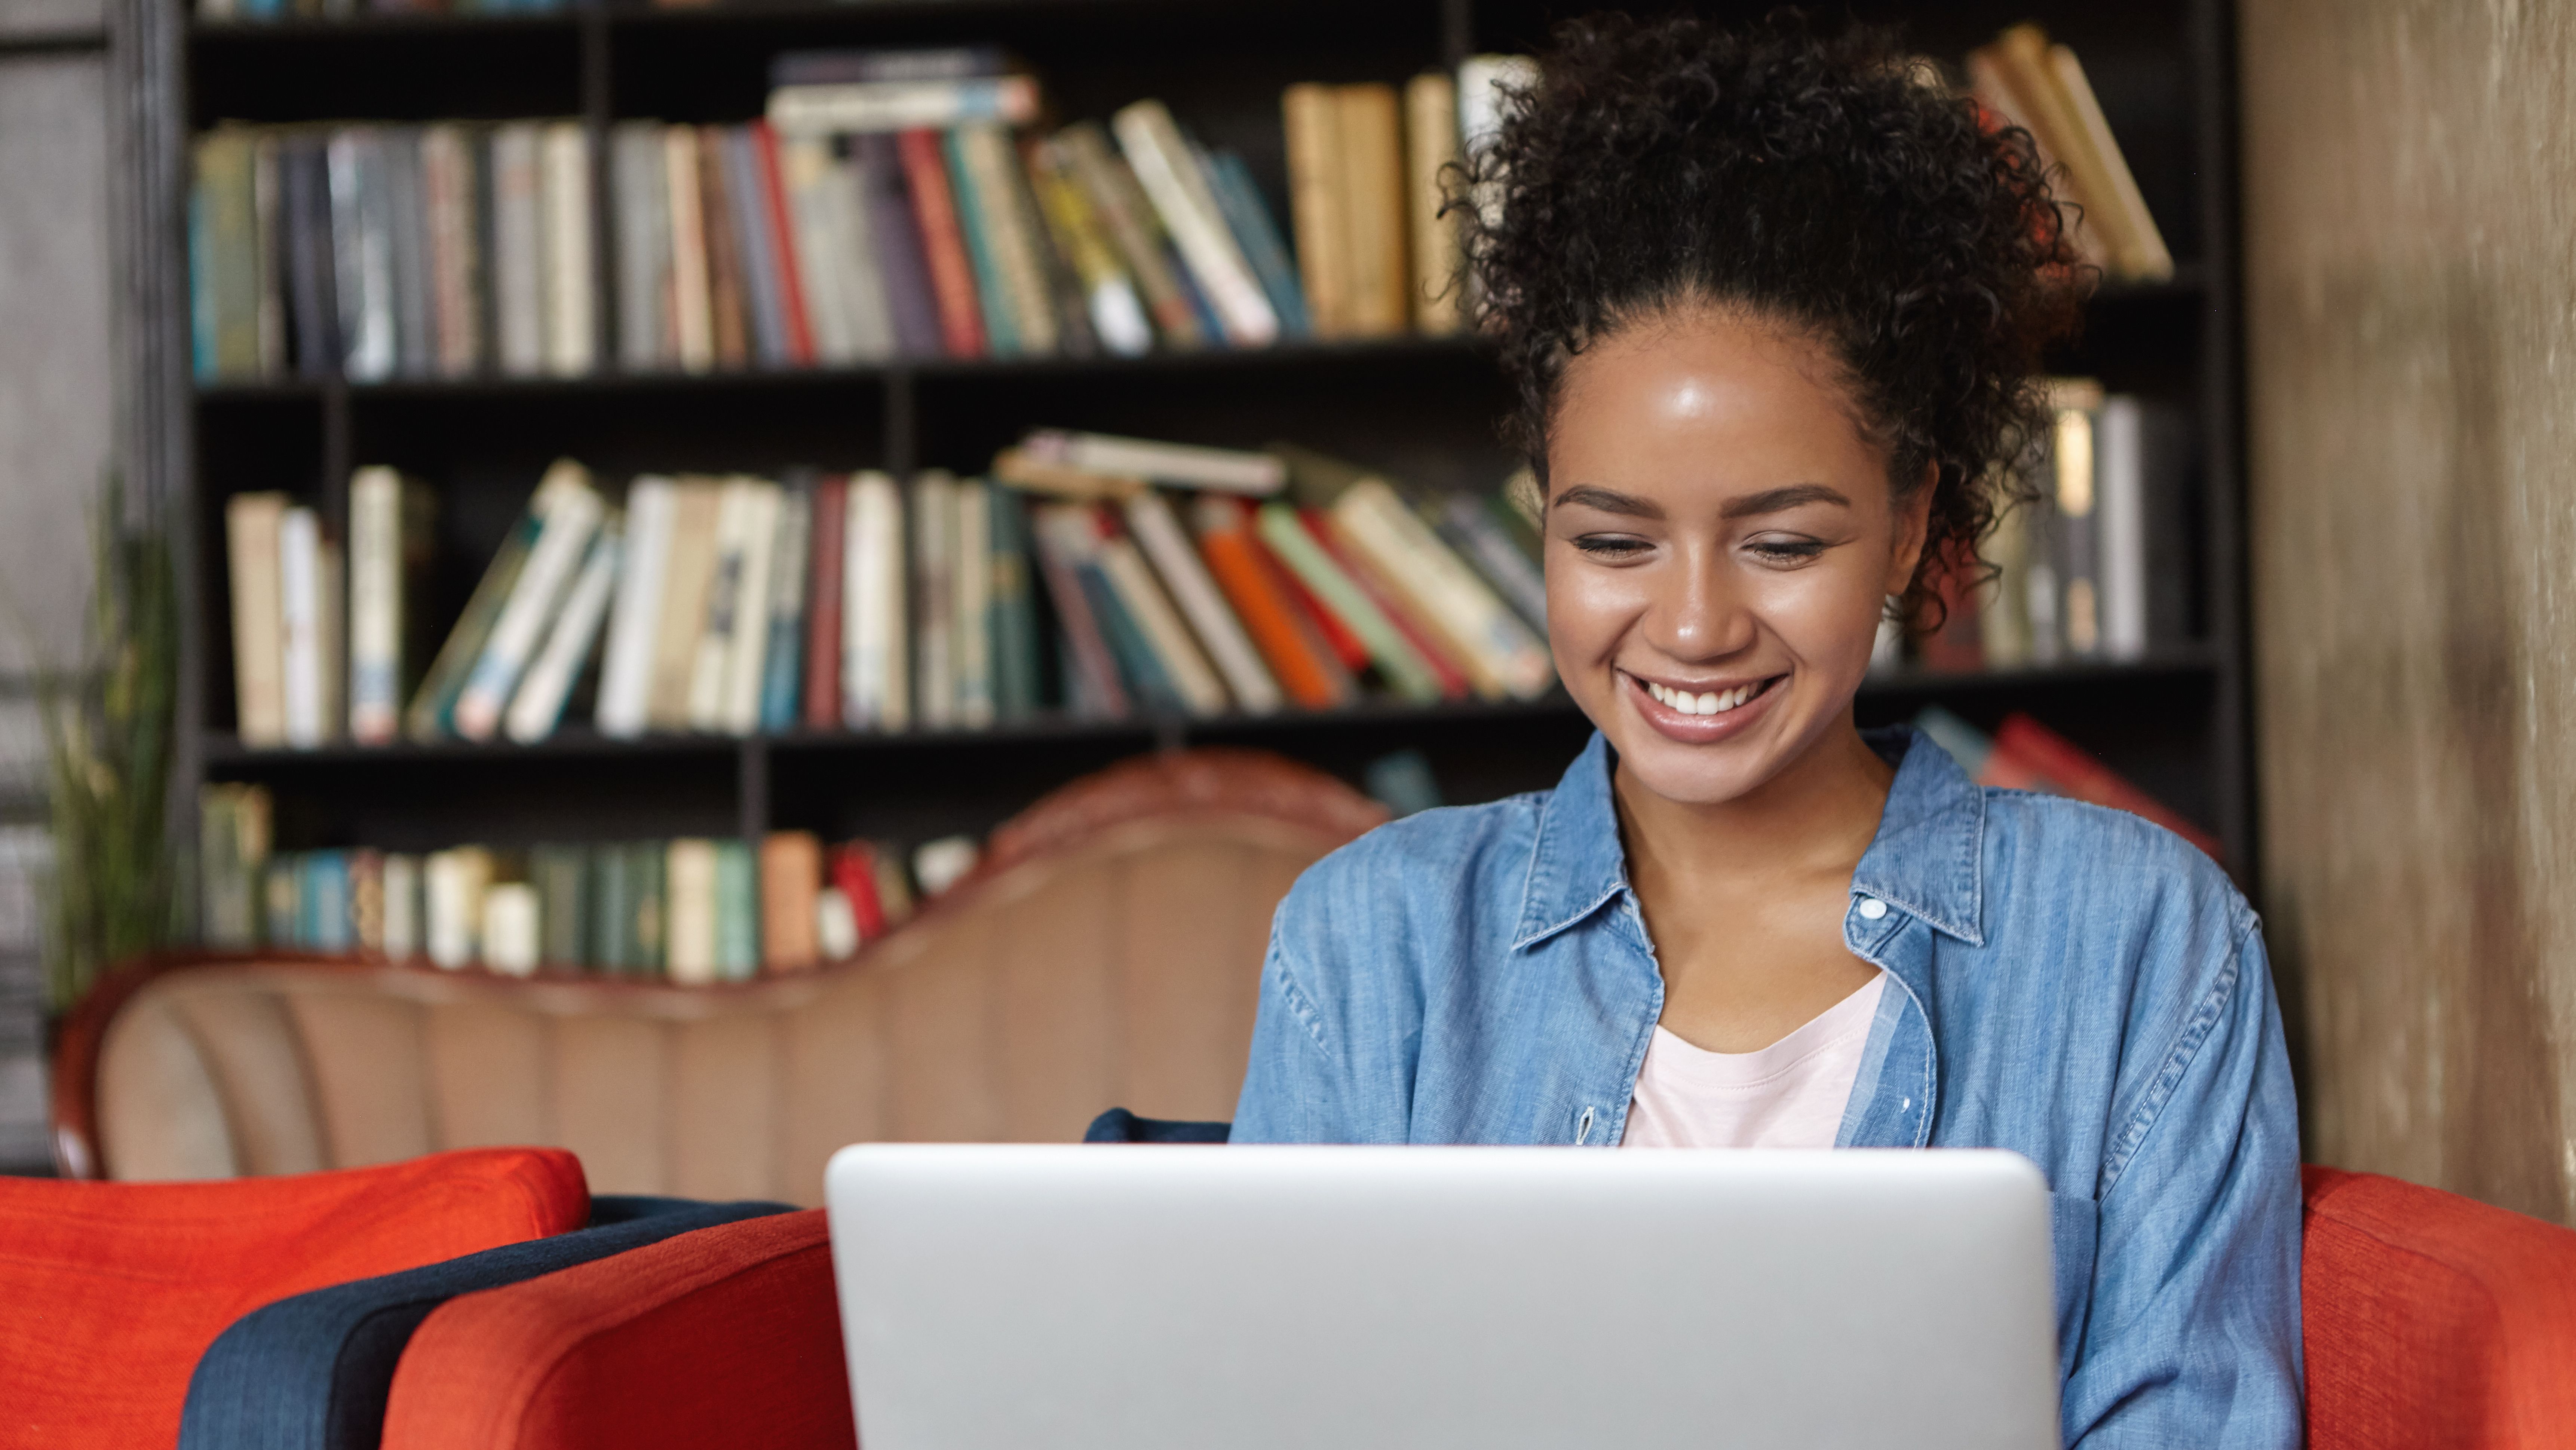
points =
(1294, 1086)
(2192, 1337)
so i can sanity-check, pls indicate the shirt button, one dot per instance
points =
(1872, 908)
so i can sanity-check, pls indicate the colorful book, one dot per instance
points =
(626, 666)
(824, 606)
(1403, 667)
(1092, 681)
(303, 595)
(894, 232)
(691, 935)
(251, 526)
(876, 631)
(904, 105)
(791, 878)
(1140, 595)
(1016, 669)
(977, 225)
(1182, 465)
(1502, 656)
(943, 243)
(1168, 172)
(547, 685)
(934, 593)
(570, 512)
(1238, 200)
(1127, 219)
(1158, 533)
(970, 577)
(737, 912)
(1299, 659)
(790, 562)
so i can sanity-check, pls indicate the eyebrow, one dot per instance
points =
(1769, 501)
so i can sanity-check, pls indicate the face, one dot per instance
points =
(1721, 540)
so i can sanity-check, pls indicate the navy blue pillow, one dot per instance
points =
(313, 1372)
(1121, 1126)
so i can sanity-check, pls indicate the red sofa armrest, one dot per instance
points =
(726, 1336)
(2434, 1320)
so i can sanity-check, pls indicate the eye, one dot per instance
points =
(1611, 546)
(1786, 551)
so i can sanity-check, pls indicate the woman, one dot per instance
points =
(1774, 304)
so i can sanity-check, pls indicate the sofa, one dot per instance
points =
(1106, 950)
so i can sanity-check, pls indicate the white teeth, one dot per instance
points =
(1712, 702)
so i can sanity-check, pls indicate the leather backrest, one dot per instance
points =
(1117, 965)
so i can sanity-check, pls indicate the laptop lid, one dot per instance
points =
(1154, 1298)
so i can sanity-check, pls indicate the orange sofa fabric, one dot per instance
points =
(2434, 1322)
(724, 1336)
(109, 1292)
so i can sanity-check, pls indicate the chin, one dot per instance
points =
(1708, 760)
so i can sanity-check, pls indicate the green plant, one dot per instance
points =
(108, 720)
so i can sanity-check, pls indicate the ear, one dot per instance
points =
(1913, 524)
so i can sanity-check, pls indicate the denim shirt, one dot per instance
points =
(2068, 982)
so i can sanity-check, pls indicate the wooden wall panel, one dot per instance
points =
(2410, 209)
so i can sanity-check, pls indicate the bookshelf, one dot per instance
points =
(2175, 722)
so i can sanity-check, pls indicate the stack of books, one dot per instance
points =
(695, 911)
(889, 204)
(2023, 754)
(1089, 574)
(2096, 563)
(2021, 79)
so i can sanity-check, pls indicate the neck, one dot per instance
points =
(1818, 814)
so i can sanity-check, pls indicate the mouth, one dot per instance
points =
(1702, 717)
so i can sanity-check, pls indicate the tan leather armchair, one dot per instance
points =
(1106, 953)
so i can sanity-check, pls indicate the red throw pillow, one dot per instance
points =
(109, 1292)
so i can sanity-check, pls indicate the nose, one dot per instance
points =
(1698, 614)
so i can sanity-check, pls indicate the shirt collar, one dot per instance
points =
(1926, 858)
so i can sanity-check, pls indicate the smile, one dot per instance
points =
(1707, 702)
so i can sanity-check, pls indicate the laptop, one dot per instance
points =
(1244, 1298)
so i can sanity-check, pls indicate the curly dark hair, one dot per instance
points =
(1822, 180)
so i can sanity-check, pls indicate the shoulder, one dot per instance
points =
(2082, 860)
(1429, 863)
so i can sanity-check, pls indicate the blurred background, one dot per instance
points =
(565, 450)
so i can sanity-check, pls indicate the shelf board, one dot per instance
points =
(1372, 715)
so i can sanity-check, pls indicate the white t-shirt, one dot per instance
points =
(1789, 1095)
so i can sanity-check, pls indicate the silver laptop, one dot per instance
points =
(1240, 1298)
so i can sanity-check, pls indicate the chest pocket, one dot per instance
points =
(2074, 1227)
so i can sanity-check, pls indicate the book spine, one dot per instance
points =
(971, 613)
(2121, 503)
(1430, 149)
(2079, 579)
(728, 292)
(689, 906)
(300, 586)
(1015, 625)
(848, 108)
(692, 334)
(1373, 189)
(784, 660)
(430, 714)
(509, 940)
(851, 252)
(226, 180)
(1170, 177)
(376, 625)
(811, 184)
(747, 653)
(268, 253)
(1012, 234)
(737, 912)
(791, 876)
(626, 669)
(636, 151)
(1187, 465)
(571, 331)
(1406, 671)
(415, 336)
(304, 172)
(1300, 661)
(1164, 633)
(876, 665)
(943, 243)
(404, 914)
(755, 255)
(1398, 608)
(518, 194)
(825, 607)
(611, 900)
(975, 225)
(205, 298)
(711, 655)
(446, 163)
(1248, 219)
(934, 519)
(251, 525)
(539, 703)
(894, 227)
(779, 223)
(1082, 631)
(1117, 313)
(1482, 542)
(1312, 120)
(1150, 520)
(572, 516)
(358, 260)
(1503, 658)
(562, 877)
(1127, 220)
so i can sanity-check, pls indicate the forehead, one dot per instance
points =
(1707, 403)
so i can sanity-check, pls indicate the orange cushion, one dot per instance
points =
(109, 1292)
(724, 1336)
(2434, 1321)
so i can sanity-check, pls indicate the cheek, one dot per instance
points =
(1825, 613)
(1590, 608)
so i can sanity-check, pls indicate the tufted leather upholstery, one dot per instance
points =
(1108, 953)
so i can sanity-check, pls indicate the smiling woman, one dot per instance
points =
(1773, 302)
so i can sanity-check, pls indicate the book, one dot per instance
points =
(970, 577)
(451, 186)
(626, 665)
(324, 920)
(1111, 301)
(787, 272)
(391, 545)
(1472, 530)
(691, 303)
(609, 896)
(825, 609)
(2030, 756)
(733, 630)
(405, 914)
(1430, 149)
(1127, 220)
(570, 513)
(510, 939)
(1140, 596)
(790, 560)
(537, 705)
(1092, 681)
(791, 877)
(1402, 666)
(2071, 493)
(571, 326)
(304, 179)
(943, 244)
(1502, 657)
(1393, 604)
(755, 250)
(406, 225)
(934, 595)
(1299, 660)
(453, 885)
(303, 595)
(1158, 533)
(729, 300)
(1373, 190)
(639, 183)
(1184, 465)
(690, 941)
(852, 866)
(281, 917)
(904, 105)
(1169, 175)
(688, 575)
(1012, 233)
(362, 253)
(1247, 217)
(737, 912)
(518, 248)
(2143, 251)
(976, 226)
(1311, 116)
(251, 526)
(233, 826)
(562, 878)
(894, 232)
(225, 253)
(876, 671)
(1016, 668)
